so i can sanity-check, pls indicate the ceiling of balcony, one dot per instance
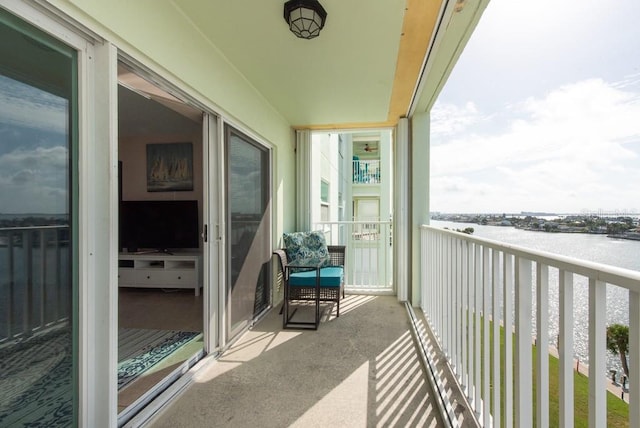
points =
(361, 71)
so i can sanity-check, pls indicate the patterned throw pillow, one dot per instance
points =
(306, 248)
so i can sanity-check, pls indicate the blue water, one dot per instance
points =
(595, 248)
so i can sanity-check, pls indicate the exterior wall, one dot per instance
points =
(326, 165)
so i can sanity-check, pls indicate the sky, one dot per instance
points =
(542, 112)
(33, 150)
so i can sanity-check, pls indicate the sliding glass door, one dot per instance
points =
(248, 229)
(38, 250)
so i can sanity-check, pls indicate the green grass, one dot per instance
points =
(617, 409)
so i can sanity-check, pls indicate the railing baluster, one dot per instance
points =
(565, 348)
(449, 330)
(12, 285)
(495, 289)
(455, 303)
(464, 333)
(42, 278)
(486, 347)
(58, 277)
(542, 343)
(477, 322)
(597, 353)
(508, 339)
(523, 363)
(634, 358)
(27, 247)
(471, 316)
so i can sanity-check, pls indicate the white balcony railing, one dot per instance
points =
(34, 280)
(366, 171)
(464, 283)
(368, 253)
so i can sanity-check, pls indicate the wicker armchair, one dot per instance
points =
(329, 290)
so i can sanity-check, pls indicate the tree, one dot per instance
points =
(618, 343)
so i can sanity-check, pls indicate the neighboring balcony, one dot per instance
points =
(366, 171)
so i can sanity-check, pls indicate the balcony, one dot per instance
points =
(366, 171)
(371, 367)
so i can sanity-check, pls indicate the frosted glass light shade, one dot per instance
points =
(305, 17)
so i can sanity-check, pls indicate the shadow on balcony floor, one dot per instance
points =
(360, 369)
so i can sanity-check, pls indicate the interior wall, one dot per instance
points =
(133, 155)
(132, 152)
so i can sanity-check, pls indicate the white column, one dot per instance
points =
(419, 198)
(99, 241)
(303, 180)
(401, 215)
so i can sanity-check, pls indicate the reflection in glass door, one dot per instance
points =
(38, 141)
(249, 229)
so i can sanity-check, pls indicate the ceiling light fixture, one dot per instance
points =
(305, 17)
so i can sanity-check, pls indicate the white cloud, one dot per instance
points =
(29, 107)
(34, 181)
(577, 147)
(449, 119)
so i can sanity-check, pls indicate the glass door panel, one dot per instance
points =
(249, 229)
(38, 143)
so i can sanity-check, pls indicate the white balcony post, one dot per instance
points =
(464, 302)
(542, 342)
(507, 316)
(477, 322)
(471, 316)
(523, 363)
(497, 281)
(597, 353)
(565, 348)
(634, 358)
(486, 347)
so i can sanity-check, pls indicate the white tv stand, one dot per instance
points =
(160, 270)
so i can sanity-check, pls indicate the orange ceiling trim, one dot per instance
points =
(419, 24)
(343, 126)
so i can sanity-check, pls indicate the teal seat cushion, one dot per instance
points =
(330, 276)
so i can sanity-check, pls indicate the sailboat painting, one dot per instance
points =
(169, 167)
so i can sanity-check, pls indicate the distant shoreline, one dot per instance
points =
(621, 227)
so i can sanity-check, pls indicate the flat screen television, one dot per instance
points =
(159, 225)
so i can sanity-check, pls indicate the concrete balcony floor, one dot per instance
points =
(358, 370)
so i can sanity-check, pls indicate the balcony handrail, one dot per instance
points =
(626, 278)
(468, 282)
(33, 280)
(353, 222)
(21, 228)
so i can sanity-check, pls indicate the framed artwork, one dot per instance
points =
(169, 167)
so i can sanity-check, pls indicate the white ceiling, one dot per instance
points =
(345, 75)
